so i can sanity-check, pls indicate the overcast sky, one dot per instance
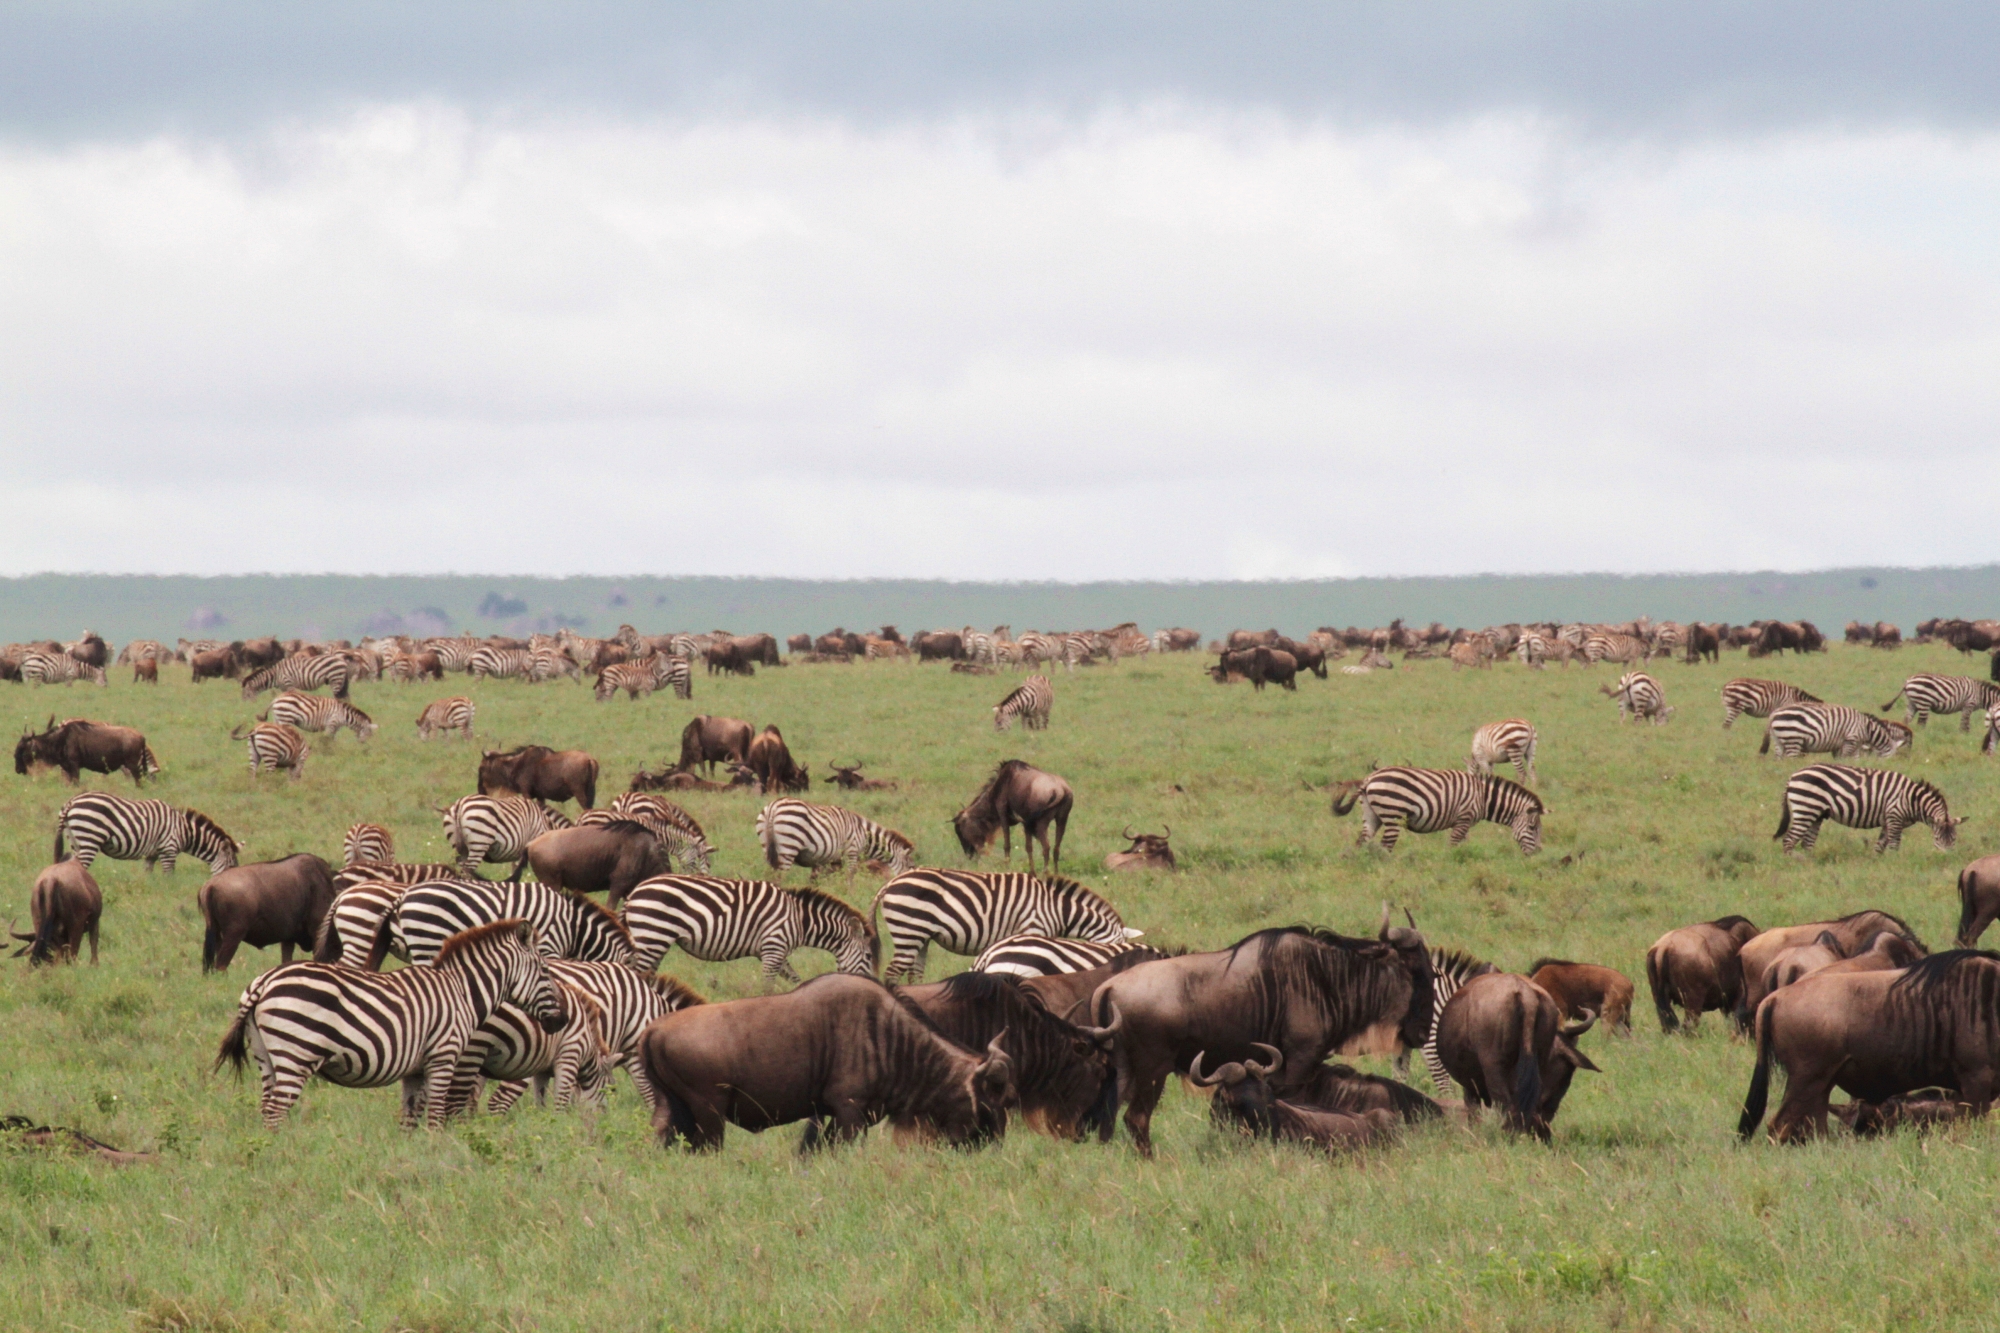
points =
(1030, 290)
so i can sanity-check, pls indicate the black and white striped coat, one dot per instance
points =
(501, 663)
(370, 1029)
(628, 1001)
(567, 925)
(276, 746)
(315, 712)
(1992, 740)
(969, 911)
(1510, 742)
(128, 829)
(1749, 697)
(1431, 800)
(1639, 695)
(1924, 694)
(448, 715)
(42, 668)
(301, 671)
(673, 671)
(795, 832)
(364, 894)
(719, 919)
(369, 844)
(1832, 729)
(545, 664)
(454, 654)
(513, 1049)
(1861, 798)
(1449, 971)
(497, 828)
(1050, 955)
(1030, 701)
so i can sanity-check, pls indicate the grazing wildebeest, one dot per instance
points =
(76, 744)
(771, 760)
(840, 1047)
(146, 671)
(261, 904)
(1148, 851)
(1876, 1035)
(730, 658)
(711, 740)
(542, 774)
(216, 664)
(1578, 988)
(1260, 666)
(1801, 960)
(1244, 1101)
(1017, 793)
(1503, 1040)
(1885, 953)
(1310, 993)
(799, 643)
(1978, 899)
(65, 906)
(1697, 968)
(1701, 642)
(599, 858)
(848, 777)
(941, 645)
(1849, 932)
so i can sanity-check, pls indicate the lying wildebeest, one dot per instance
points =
(1586, 987)
(1697, 968)
(1243, 1100)
(711, 740)
(840, 1047)
(1922, 1109)
(1876, 1035)
(1502, 1038)
(679, 779)
(1849, 932)
(1017, 793)
(1310, 993)
(1978, 899)
(599, 858)
(1148, 851)
(75, 745)
(848, 777)
(542, 774)
(261, 904)
(771, 760)
(65, 906)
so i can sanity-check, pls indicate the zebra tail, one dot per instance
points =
(1784, 816)
(1892, 701)
(1659, 979)
(236, 734)
(1343, 800)
(1759, 1095)
(235, 1044)
(770, 833)
(385, 935)
(1765, 748)
(1527, 1070)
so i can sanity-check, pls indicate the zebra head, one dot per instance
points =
(584, 1063)
(507, 953)
(203, 839)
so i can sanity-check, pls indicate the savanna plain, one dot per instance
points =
(1646, 1213)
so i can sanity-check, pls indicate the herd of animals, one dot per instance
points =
(1064, 1019)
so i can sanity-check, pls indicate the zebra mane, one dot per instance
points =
(1460, 966)
(196, 820)
(821, 898)
(610, 917)
(467, 939)
(1509, 784)
(677, 994)
(1064, 884)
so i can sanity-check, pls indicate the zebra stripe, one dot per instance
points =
(453, 714)
(1622, 648)
(513, 1049)
(59, 669)
(1639, 695)
(1431, 800)
(140, 830)
(1030, 701)
(1450, 970)
(644, 675)
(567, 925)
(546, 664)
(453, 654)
(501, 663)
(969, 911)
(1048, 956)
(795, 832)
(1748, 697)
(497, 828)
(1924, 694)
(1832, 729)
(367, 1030)
(275, 745)
(1861, 798)
(369, 843)
(1510, 742)
(301, 671)
(657, 812)
(716, 920)
(1992, 730)
(363, 894)
(313, 712)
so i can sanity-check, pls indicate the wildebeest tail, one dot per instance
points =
(1760, 1081)
(235, 1045)
(1659, 978)
(1527, 1070)
(42, 945)
(1966, 911)
(59, 842)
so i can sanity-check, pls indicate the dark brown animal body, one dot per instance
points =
(1148, 851)
(712, 740)
(76, 745)
(678, 779)
(771, 760)
(217, 664)
(261, 904)
(799, 643)
(1580, 988)
(1180, 640)
(1850, 933)
(730, 658)
(941, 645)
(599, 858)
(1503, 1039)
(1244, 1101)
(848, 777)
(146, 671)
(1259, 666)
(1017, 793)
(1697, 968)
(1978, 899)
(540, 773)
(65, 905)
(1701, 642)
(1067, 994)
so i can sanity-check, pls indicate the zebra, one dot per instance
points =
(656, 812)
(969, 911)
(1048, 955)
(1639, 695)
(140, 830)
(1036, 646)
(453, 654)
(496, 828)
(1924, 694)
(500, 663)
(275, 745)
(1512, 741)
(367, 1030)
(796, 832)
(363, 894)
(301, 671)
(567, 925)
(313, 712)
(635, 678)
(369, 844)
(1030, 701)
(1992, 730)
(628, 1002)
(978, 646)
(446, 715)
(1749, 697)
(513, 1049)
(59, 669)
(1431, 800)
(1450, 970)
(670, 669)
(1621, 648)
(691, 851)
(1861, 798)
(719, 919)
(546, 664)
(1832, 729)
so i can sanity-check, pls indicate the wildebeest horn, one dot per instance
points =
(1577, 1027)
(1277, 1060)
(16, 934)
(1169, 833)
(1409, 918)
(1230, 1074)
(1128, 835)
(993, 1050)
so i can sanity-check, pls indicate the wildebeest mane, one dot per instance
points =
(1040, 1044)
(1941, 973)
(1541, 963)
(1901, 925)
(1338, 975)
(1731, 922)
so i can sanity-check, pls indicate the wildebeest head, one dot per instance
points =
(1065, 1079)
(35, 748)
(1147, 851)
(974, 1113)
(1564, 1060)
(1243, 1098)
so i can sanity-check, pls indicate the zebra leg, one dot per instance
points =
(1729, 715)
(417, 1101)
(504, 1096)
(1965, 721)
(440, 1076)
(777, 962)
(1892, 835)
(1370, 824)
(1392, 829)
(1461, 831)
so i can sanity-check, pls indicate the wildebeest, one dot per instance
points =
(599, 858)
(940, 645)
(540, 773)
(1886, 952)
(1801, 960)
(848, 777)
(76, 744)
(680, 779)
(1849, 933)
(711, 740)
(1148, 851)
(1876, 1035)
(799, 643)
(261, 904)
(771, 760)
(64, 905)
(1701, 642)
(840, 1047)
(1586, 987)
(1922, 1109)
(1017, 793)
(1310, 993)
(146, 671)
(1503, 1039)
(1260, 666)
(1244, 1100)
(730, 658)
(1978, 899)
(216, 664)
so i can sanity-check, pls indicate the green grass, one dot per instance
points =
(1645, 1214)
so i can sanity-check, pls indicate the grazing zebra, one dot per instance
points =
(501, 663)
(692, 852)
(1030, 701)
(1450, 970)
(496, 828)
(1832, 729)
(567, 925)
(1639, 695)
(1862, 798)
(453, 654)
(628, 1002)
(656, 812)
(635, 678)
(719, 919)
(1431, 800)
(548, 663)
(275, 745)
(1622, 648)
(1049, 955)
(796, 832)
(1533, 650)
(363, 895)
(1924, 694)
(59, 669)
(446, 715)
(968, 912)
(367, 1030)
(1510, 742)
(1748, 697)
(301, 671)
(675, 671)
(512, 1049)
(140, 830)
(978, 646)
(313, 712)
(367, 844)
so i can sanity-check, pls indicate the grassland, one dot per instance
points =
(1646, 1214)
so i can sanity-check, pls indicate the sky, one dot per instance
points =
(1020, 291)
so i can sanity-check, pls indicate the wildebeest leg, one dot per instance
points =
(285, 951)
(1062, 825)
(1802, 1115)
(93, 944)
(1146, 1090)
